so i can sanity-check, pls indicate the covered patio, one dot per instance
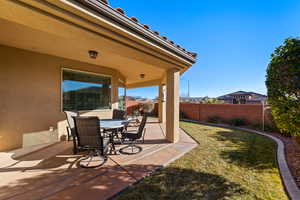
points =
(45, 45)
(53, 173)
(74, 55)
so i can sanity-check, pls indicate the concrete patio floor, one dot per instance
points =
(53, 173)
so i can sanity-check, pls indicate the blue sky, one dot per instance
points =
(234, 39)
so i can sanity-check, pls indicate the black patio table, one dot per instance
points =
(112, 126)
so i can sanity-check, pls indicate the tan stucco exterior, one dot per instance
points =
(162, 103)
(30, 93)
(172, 110)
(72, 34)
(39, 38)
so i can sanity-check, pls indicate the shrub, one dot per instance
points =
(207, 100)
(268, 127)
(214, 119)
(283, 84)
(256, 125)
(183, 115)
(237, 122)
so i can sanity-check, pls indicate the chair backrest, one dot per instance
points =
(88, 132)
(142, 126)
(119, 114)
(70, 120)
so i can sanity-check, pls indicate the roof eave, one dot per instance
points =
(124, 21)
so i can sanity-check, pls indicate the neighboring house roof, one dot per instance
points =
(118, 15)
(238, 93)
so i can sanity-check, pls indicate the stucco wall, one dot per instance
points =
(30, 96)
(250, 112)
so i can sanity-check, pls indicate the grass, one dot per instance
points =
(227, 164)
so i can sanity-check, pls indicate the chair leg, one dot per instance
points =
(89, 161)
(68, 134)
(131, 145)
(75, 150)
(112, 145)
(144, 136)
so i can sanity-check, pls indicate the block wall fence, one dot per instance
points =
(131, 106)
(252, 113)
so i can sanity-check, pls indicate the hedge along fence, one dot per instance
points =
(251, 113)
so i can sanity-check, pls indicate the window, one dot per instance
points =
(243, 101)
(85, 91)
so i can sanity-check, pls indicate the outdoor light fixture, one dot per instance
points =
(93, 54)
(142, 75)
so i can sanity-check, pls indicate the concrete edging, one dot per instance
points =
(288, 181)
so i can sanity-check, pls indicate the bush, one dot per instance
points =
(283, 84)
(183, 115)
(256, 125)
(237, 122)
(268, 127)
(271, 125)
(214, 119)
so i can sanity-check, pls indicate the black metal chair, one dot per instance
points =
(90, 139)
(71, 128)
(133, 137)
(119, 114)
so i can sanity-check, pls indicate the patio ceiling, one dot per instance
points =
(63, 30)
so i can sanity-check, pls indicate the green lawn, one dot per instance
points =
(228, 164)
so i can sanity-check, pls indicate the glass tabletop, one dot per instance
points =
(112, 123)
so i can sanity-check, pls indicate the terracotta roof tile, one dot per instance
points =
(146, 26)
(120, 10)
(134, 19)
(156, 32)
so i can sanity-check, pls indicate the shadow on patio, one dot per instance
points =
(53, 172)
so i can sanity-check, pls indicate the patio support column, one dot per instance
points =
(115, 93)
(162, 104)
(172, 114)
(125, 99)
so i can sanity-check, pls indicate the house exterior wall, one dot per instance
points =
(30, 96)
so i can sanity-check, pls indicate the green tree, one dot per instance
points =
(283, 84)
(207, 100)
